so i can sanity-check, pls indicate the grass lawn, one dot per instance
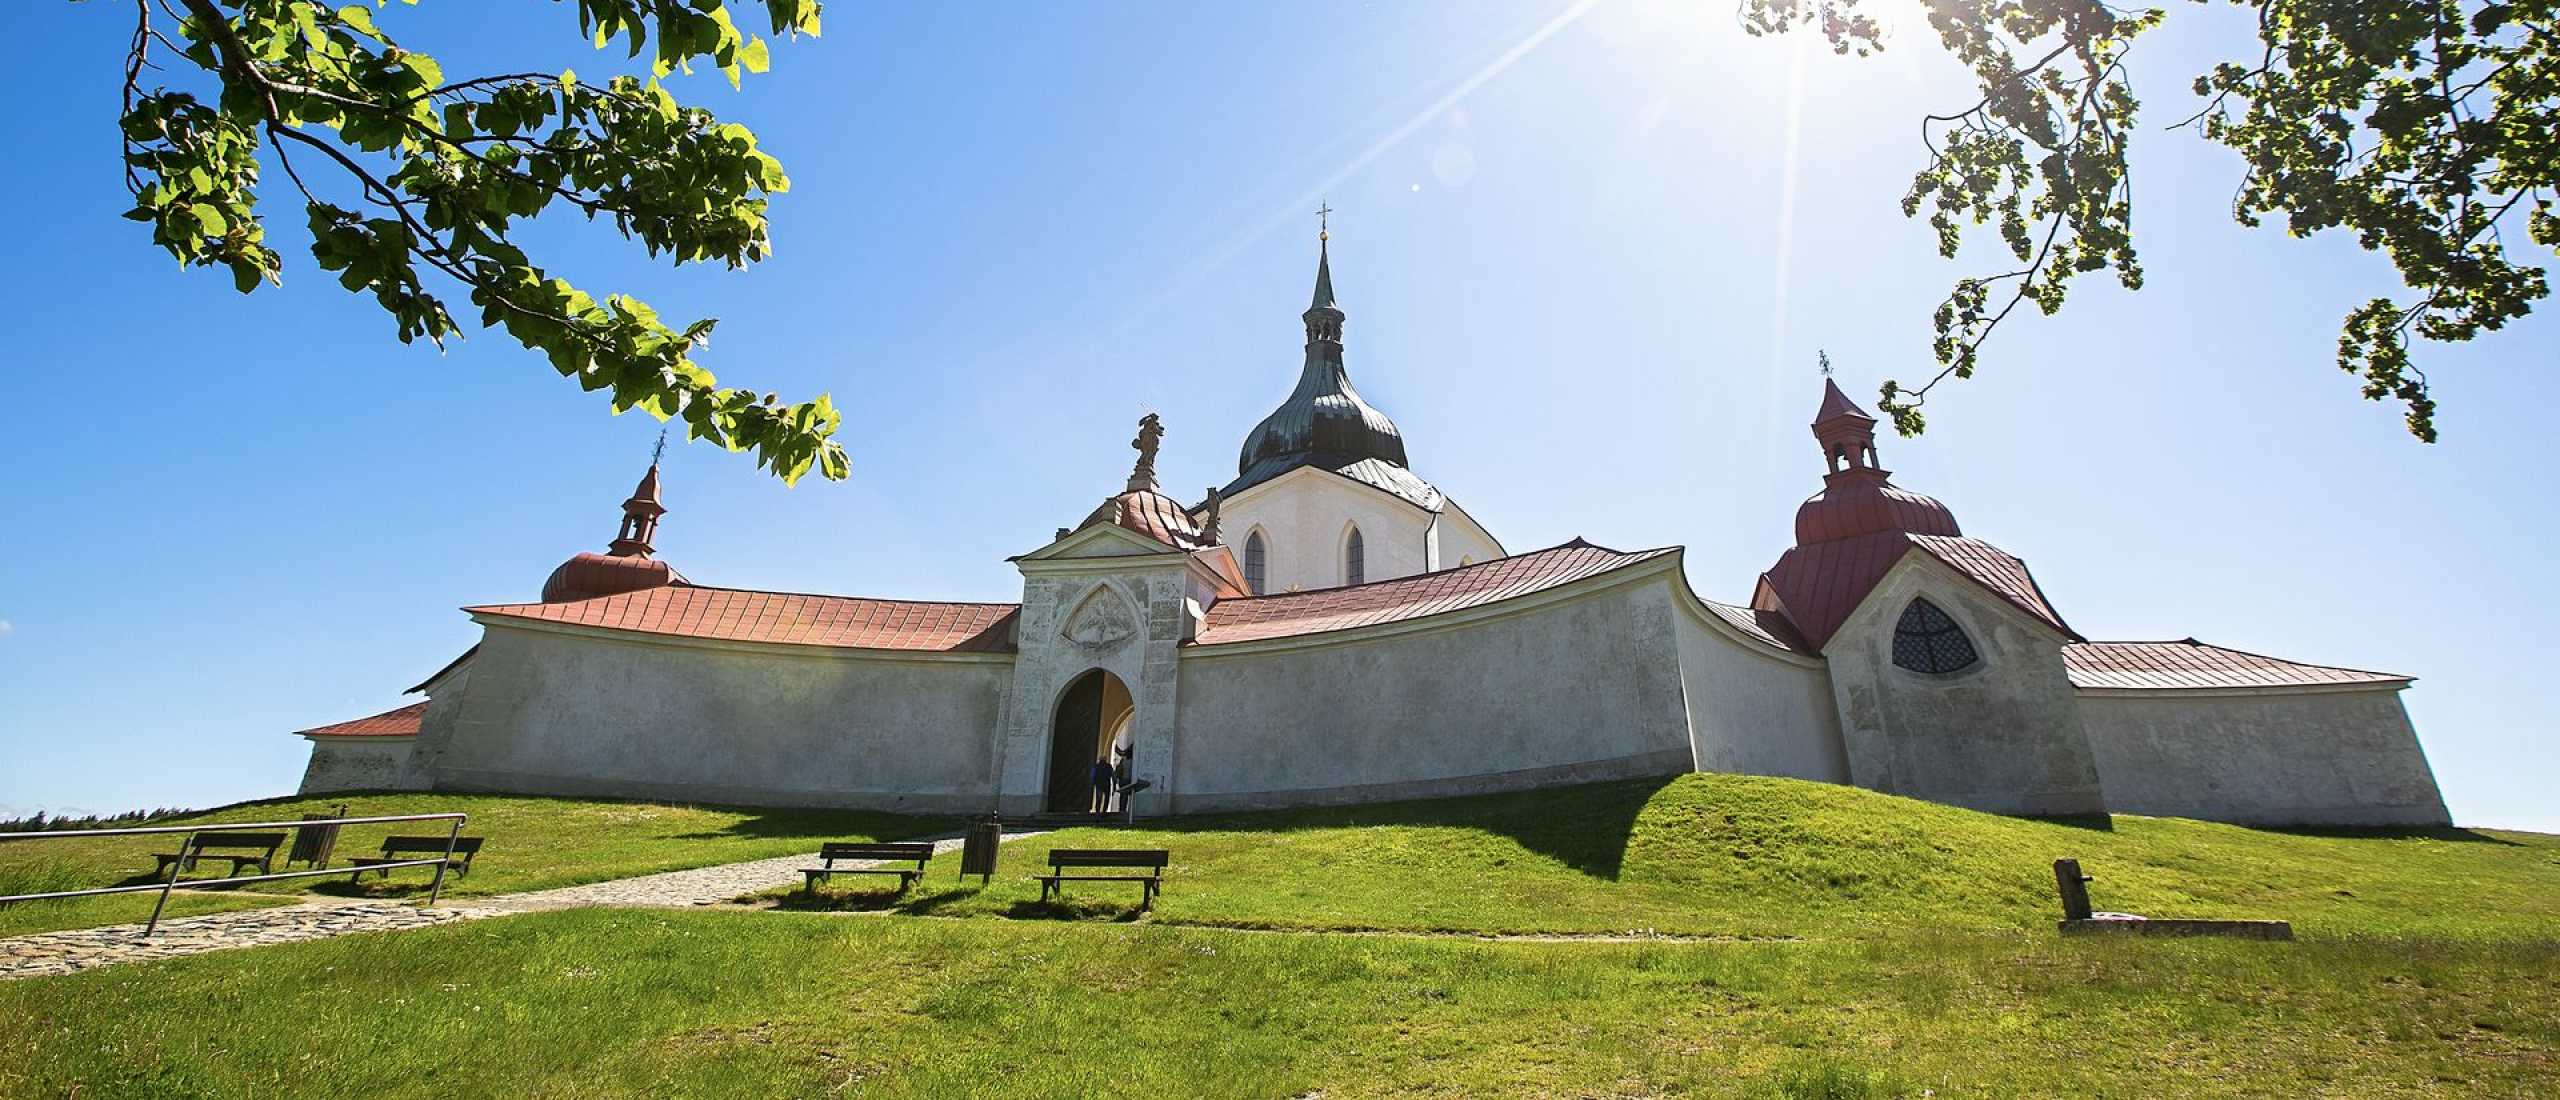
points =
(1807, 941)
(533, 844)
(602, 1004)
(1722, 855)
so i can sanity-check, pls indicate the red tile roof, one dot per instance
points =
(2192, 665)
(1255, 618)
(736, 615)
(1821, 583)
(390, 723)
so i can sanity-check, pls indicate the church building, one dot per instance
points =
(1330, 627)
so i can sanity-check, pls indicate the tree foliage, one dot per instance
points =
(2426, 127)
(412, 183)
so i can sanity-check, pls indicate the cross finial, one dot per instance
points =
(1324, 221)
(1825, 357)
(661, 449)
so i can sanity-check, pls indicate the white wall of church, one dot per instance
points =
(1577, 688)
(1753, 711)
(2271, 757)
(2004, 735)
(358, 764)
(1461, 540)
(616, 714)
(1305, 515)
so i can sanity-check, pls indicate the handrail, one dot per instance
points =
(40, 834)
(188, 852)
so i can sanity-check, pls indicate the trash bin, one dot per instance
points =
(978, 848)
(313, 844)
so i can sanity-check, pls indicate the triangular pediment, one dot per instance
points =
(1099, 540)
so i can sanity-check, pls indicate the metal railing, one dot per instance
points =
(188, 854)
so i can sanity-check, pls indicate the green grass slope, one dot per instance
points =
(1750, 856)
(613, 1004)
(532, 844)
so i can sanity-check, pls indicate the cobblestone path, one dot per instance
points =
(81, 949)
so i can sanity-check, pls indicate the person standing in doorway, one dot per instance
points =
(1102, 774)
(1125, 774)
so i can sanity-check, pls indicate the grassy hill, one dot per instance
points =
(1807, 942)
(1748, 856)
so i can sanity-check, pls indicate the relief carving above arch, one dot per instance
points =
(1103, 620)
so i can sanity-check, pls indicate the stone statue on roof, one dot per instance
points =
(1150, 435)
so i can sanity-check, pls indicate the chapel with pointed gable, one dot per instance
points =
(1330, 627)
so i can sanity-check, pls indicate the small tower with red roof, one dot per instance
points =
(627, 565)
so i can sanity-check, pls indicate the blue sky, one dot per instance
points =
(1588, 252)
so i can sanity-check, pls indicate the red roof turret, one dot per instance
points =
(1861, 523)
(626, 565)
(1856, 497)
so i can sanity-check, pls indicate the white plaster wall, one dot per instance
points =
(358, 764)
(1304, 515)
(549, 712)
(2277, 757)
(1461, 539)
(2004, 735)
(1753, 712)
(1579, 689)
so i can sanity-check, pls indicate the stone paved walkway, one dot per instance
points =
(320, 917)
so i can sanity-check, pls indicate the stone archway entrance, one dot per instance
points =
(1094, 716)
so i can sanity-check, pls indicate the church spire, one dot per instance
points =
(1324, 319)
(640, 517)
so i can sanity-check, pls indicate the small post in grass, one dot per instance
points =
(2074, 887)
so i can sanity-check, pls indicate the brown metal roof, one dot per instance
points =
(1253, 619)
(2190, 665)
(787, 618)
(390, 723)
(1821, 583)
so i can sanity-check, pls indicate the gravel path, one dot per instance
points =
(318, 918)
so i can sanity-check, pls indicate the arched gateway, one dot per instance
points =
(1093, 719)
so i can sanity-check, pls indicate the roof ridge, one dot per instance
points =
(1577, 543)
(764, 592)
(2200, 644)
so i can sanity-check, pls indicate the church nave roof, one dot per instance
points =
(1288, 614)
(785, 618)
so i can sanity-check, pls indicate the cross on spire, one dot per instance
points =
(659, 451)
(1324, 221)
(1826, 362)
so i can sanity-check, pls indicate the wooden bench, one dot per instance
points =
(236, 845)
(917, 852)
(1060, 859)
(401, 849)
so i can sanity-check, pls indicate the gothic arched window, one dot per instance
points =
(1257, 564)
(1355, 559)
(1926, 640)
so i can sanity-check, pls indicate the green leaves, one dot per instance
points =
(193, 174)
(2425, 131)
(410, 178)
(2429, 128)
